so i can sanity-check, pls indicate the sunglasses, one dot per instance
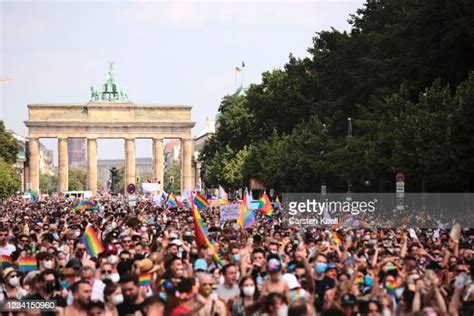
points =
(24, 240)
(106, 271)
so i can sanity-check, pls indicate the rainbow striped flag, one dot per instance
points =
(6, 261)
(200, 201)
(173, 201)
(392, 285)
(91, 240)
(202, 237)
(247, 217)
(337, 238)
(27, 264)
(266, 206)
(144, 279)
(84, 205)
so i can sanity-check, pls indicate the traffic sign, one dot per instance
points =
(400, 177)
(131, 188)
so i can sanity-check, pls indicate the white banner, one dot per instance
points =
(230, 212)
(150, 188)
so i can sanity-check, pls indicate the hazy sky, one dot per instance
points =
(165, 52)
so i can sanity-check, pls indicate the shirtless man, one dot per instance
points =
(275, 284)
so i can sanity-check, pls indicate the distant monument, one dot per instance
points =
(109, 90)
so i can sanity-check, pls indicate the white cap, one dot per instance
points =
(291, 280)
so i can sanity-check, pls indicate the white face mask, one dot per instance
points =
(112, 259)
(48, 264)
(248, 290)
(115, 277)
(117, 299)
(15, 281)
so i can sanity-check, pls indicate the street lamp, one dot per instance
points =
(349, 136)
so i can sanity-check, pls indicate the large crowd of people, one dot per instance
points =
(152, 265)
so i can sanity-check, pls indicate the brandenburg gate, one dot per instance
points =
(110, 115)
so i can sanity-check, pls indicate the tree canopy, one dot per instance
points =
(402, 74)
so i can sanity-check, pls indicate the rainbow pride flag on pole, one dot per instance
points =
(144, 279)
(6, 261)
(247, 217)
(27, 264)
(266, 206)
(173, 201)
(200, 201)
(202, 237)
(91, 240)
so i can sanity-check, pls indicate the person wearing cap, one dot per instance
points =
(275, 284)
(349, 303)
(296, 291)
(213, 305)
(146, 266)
(11, 288)
(200, 265)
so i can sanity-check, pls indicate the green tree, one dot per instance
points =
(8, 145)
(9, 181)
(77, 179)
(48, 184)
(172, 178)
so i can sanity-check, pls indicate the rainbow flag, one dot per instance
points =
(27, 264)
(392, 285)
(200, 201)
(266, 206)
(202, 237)
(83, 205)
(144, 279)
(247, 217)
(337, 238)
(91, 240)
(6, 261)
(173, 201)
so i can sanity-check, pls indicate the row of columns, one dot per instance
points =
(130, 174)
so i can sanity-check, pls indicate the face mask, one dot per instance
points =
(115, 277)
(112, 259)
(64, 284)
(350, 271)
(321, 267)
(48, 264)
(283, 311)
(248, 290)
(15, 281)
(386, 312)
(49, 287)
(117, 299)
(78, 233)
(236, 258)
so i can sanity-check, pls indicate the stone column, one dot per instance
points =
(63, 172)
(158, 160)
(187, 157)
(92, 165)
(129, 162)
(33, 161)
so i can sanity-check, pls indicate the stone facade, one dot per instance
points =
(110, 119)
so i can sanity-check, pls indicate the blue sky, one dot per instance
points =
(165, 52)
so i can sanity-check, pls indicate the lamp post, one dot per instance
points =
(349, 136)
